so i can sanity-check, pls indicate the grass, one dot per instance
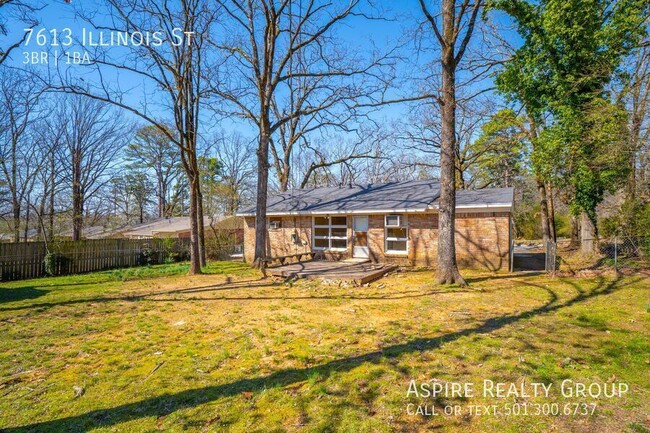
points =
(147, 349)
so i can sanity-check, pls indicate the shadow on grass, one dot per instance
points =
(20, 294)
(168, 403)
(229, 285)
(120, 275)
(508, 276)
(411, 294)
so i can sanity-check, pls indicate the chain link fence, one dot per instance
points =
(618, 252)
(625, 252)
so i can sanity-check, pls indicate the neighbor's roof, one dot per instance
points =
(177, 225)
(408, 196)
(163, 225)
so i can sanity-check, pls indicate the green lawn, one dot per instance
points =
(148, 349)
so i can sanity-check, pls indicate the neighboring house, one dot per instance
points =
(32, 235)
(175, 227)
(91, 232)
(178, 227)
(392, 222)
(227, 229)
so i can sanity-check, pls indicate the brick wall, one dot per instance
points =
(482, 240)
(279, 241)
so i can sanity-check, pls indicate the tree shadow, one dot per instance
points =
(228, 285)
(509, 276)
(388, 296)
(15, 294)
(165, 404)
(168, 295)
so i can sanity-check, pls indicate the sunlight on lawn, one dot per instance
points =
(152, 348)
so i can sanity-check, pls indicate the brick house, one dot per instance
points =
(394, 222)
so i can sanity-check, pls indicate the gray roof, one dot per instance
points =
(408, 196)
(175, 225)
(488, 197)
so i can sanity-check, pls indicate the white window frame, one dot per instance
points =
(403, 225)
(270, 227)
(329, 236)
(399, 220)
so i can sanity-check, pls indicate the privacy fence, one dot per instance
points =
(19, 261)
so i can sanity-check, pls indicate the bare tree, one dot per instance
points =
(139, 189)
(153, 152)
(93, 136)
(49, 134)
(637, 94)
(119, 200)
(17, 11)
(20, 159)
(236, 156)
(336, 101)
(365, 155)
(453, 35)
(173, 70)
(284, 48)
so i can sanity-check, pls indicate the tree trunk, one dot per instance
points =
(447, 272)
(588, 234)
(630, 187)
(635, 138)
(575, 233)
(551, 213)
(200, 224)
(15, 199)
(161, 199)
(77, 212)
(16, 217)
(461, 178)
(262, 193)
(231, 203)
(41, 213)
(27, 216)
(195, 258)
(543, 210)
(77, 198)
(285, 174)
(51, 198)
(284, 180)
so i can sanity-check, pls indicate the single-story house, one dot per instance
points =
(179, 227)
(32, 235)
(175, 227)
(393, 222)
(91, 232)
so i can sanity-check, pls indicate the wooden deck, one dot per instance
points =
(354, 270)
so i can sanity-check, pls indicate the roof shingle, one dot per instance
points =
(407, 196)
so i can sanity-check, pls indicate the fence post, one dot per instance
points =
(616, 253)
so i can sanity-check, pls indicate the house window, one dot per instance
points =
(396, 234)
(275, 223)
(331, 233)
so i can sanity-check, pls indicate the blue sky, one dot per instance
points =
(360, 34)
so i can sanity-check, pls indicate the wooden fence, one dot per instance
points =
(19, 261)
